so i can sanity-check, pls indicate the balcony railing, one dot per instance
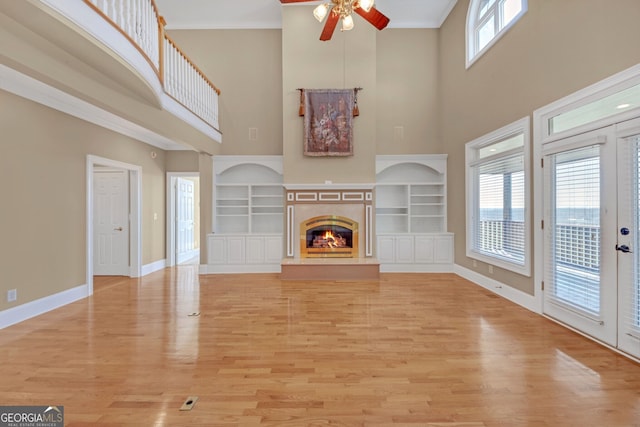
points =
(181, 79)
(576, 246)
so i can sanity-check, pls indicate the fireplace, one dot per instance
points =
(329, 236)
(329, 233)
(344, 211)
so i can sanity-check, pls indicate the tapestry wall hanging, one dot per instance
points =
(328, 121)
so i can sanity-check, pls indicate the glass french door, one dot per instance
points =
(580, 275)
(592, 234)
(628, 235)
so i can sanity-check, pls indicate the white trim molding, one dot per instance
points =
(135, 215)
(40, 306)
(530, 302)
(34, 90)
(153, 267)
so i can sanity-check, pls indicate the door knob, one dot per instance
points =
(623, 248)
(117, 229)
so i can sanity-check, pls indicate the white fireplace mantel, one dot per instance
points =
(353, 201)
(329, 186)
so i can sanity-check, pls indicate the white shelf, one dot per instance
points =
(249, 195)
(411, 214)
(411, 194)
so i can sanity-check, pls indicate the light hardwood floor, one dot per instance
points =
(407, 350)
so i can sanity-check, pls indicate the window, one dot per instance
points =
(497, 167)
(487, 21)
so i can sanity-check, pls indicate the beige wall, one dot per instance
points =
(259, 72)
(558, 47)
(407, 88)
(205, 163)
(348, 60)
(247, 66)
(43, 215)
(181, 161)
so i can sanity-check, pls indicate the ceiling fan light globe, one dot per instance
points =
(320, 12)
(347, 23)
(366, 5)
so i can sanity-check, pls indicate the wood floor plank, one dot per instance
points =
(404, 350)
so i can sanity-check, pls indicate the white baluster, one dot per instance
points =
(113, 14)
(120, 20)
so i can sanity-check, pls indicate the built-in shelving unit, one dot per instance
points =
(249, 208)
(266, 208)
(248, 220)
(411, 213)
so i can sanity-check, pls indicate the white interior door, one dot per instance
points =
(111, 222)
(185, 220)
(628, 234)
(580, 275)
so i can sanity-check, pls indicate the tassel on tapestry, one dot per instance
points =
(356, 110)
(301, 109)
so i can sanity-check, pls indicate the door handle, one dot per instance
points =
(117, 229)
(623, 248)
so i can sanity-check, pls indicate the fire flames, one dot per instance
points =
(329, 240)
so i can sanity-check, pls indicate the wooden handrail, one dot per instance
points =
(184, 55)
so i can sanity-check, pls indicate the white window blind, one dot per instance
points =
(573, 276)
(499, 229)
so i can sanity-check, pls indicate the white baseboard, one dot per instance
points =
(31, 309)
(523, 299)
(40, 306)
(154, 266)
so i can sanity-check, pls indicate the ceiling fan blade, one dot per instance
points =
(374, 16)
(329, 26)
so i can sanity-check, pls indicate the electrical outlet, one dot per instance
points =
(491, 269)
(12, 295)
(475, 263)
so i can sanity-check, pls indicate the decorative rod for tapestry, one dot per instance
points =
(356, 110)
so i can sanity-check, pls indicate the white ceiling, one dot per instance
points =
(253, 14)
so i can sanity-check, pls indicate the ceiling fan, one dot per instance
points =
(334, 10)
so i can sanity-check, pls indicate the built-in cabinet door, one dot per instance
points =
(424, 250)
(404, 249)
(273, 249)
(443, 253)
(235, 249)
(386, 249)
(255, 250)
(217, 250)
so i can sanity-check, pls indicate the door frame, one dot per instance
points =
(542, 135)
(171, 213)
(135, 219)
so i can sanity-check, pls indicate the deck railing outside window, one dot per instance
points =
(140, 21)
(577, 246)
